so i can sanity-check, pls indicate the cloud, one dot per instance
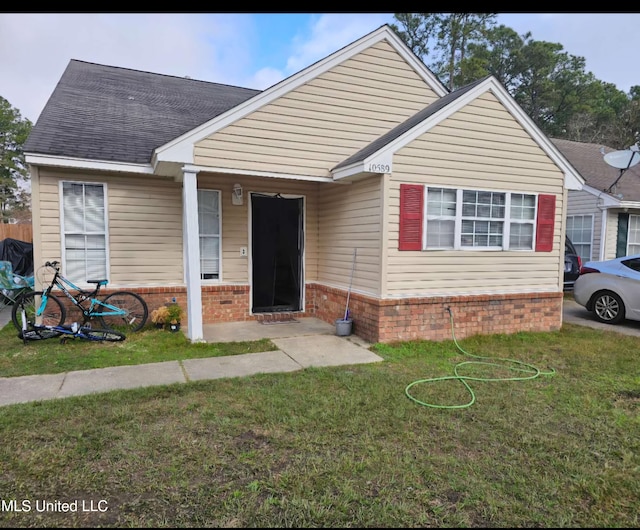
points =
(266, 77)
(36, 48)
(329, 33)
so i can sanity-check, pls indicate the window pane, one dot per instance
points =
(440, 234)
(579, 231)
(481, 233)
(209, 226)
(83, 212)
(441, 202)
(521, 236)
(522, 206)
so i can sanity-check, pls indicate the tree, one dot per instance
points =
(13, 170)
(442, 40)
(551, 86)
(499, 55)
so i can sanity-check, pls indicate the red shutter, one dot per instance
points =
(411, 198)
(544, 225)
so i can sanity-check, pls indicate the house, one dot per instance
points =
(245, 204)
(603, 218)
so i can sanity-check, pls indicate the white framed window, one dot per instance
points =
(441, 218)
(580, 232)
(479, 219)
(633, 237)
(209, 225)
(522, 213)
(84, 231)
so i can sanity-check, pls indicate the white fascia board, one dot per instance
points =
(348, 171)
(230, 171)
(379, 163)
(84, 163)
(572, 180)
(181, 149)
(608, 200)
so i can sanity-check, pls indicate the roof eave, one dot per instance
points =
(42, 160)
(572, 179)
(180, 149)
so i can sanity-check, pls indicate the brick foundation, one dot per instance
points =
(376, 320)
(427, 318)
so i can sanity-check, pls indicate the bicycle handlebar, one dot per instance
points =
(53, 264)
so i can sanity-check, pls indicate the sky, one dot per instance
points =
(256, 50)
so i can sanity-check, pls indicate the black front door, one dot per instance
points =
(276, 252)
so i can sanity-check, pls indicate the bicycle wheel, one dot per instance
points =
(108, 335)
(53, 315)
(38, 334)
(135, 308)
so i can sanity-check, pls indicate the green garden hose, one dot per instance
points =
(517, 366)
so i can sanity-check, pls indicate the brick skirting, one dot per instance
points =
(377, 320)
(426, 318)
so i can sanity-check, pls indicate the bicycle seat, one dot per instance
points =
(99, 282)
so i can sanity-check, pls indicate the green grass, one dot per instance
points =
(149, 345)
(345, 447)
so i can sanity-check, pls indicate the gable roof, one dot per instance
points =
(117, 114)
(377, 157)
(181, 149)
(597, 174)
(104, 116)
(406, 126)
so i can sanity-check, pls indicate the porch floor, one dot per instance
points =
(254, 330)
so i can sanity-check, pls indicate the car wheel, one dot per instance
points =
(608, 307)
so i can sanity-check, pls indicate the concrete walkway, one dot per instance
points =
(305, 343)
(302, 344)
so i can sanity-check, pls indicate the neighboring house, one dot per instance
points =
(242, 204)
(602, 224)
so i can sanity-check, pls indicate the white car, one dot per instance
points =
(611, 289)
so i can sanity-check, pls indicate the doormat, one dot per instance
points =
(289, 321)
(277, 318)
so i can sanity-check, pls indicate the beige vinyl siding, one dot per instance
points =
(144, 231)
(312, 128)
(584, 203)
(235, 220)
(479, 147)
(350, 217)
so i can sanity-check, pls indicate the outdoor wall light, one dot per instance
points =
(236, 194)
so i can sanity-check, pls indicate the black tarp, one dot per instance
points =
(19, 253)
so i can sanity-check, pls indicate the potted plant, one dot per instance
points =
(174, 316)
(160, 316)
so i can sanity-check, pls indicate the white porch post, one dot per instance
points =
(191, 242)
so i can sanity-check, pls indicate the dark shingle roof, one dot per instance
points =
(407, 125)
(589, 161)
(117, 114)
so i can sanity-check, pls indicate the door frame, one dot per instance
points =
(304, 245)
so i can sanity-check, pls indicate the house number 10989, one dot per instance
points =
(379, 168)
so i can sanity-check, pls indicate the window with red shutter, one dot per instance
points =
(544, 223)
(411, 201)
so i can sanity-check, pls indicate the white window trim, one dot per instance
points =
(63, 252)
(457, 236)
(214, 281)
(628, 253)
(592, 233)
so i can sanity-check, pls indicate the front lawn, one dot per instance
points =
(147, 346)
(344, 446)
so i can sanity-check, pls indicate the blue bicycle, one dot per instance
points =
(122, 311)
(42, 332)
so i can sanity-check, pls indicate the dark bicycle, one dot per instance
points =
(42, 332)
(123, 311)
